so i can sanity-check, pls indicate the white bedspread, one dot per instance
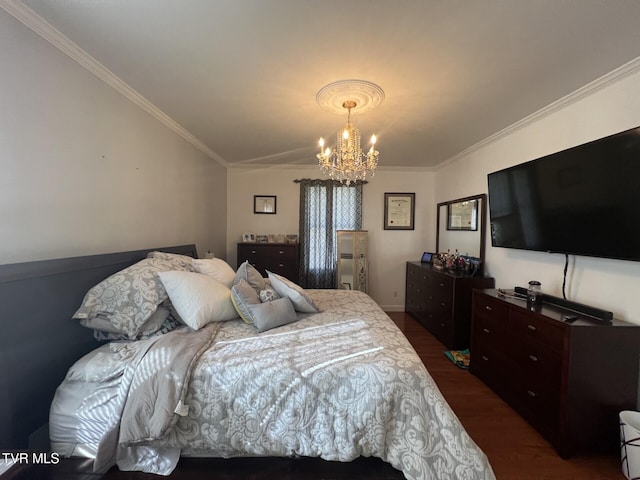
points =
(339, 384)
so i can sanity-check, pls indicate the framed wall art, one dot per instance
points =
(399, 211)
(265, 204)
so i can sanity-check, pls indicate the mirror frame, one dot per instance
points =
(481, 219)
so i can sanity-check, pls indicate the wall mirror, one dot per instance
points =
(462, 225)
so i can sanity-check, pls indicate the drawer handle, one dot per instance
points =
(487, 307)
(442, 284)
(253, 251)
(485, 358)
(532, 328)
(281, 251)
(531, 394)
(533, 358)
(443, 304)
(281, 264)
(486, 330)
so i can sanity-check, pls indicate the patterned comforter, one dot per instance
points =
(338, 384)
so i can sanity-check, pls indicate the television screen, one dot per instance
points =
(583, 201)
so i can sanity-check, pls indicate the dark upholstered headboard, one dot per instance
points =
(38, 339)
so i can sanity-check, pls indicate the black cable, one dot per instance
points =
(564, 280)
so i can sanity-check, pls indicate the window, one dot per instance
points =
(325, 207)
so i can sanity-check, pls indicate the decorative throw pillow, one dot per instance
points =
(268, 294)
(216, 268)
(243, 296)
(127, 298)
(273, 314)
(286, 288)
(248, 272)
(198, 299)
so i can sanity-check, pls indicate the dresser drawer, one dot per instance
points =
(254, 253)
(538, 361)
(491, 331)
(284, 254)
(539, 402)
(418, 275)
(530, 326)
(490, 321)
(413, 272)
(490, 365)
(442, 284)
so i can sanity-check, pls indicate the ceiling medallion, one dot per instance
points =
(347, 162)
(367, 95)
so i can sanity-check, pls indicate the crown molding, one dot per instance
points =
(606, 80)
(32, 20)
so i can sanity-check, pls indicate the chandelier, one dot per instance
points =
(347, 162)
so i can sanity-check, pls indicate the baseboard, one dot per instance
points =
(393, 308)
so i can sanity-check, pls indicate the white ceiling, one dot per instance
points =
(241, 76)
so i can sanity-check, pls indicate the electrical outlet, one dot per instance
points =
(395, 293)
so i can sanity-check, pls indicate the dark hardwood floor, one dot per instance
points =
(516, 451)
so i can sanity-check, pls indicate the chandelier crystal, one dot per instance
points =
(347, 163)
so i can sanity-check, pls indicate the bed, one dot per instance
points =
(336, 380)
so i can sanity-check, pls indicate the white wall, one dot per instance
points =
(83, 170)
(388, 249)
(609, 284)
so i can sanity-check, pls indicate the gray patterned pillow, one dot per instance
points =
(273, 314)
(250, 274)
(243, 296)
(129, 297)
(286, 288)
(177, 259)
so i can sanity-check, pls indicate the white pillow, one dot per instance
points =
(198, 299)
(286, 288)
(216, 268)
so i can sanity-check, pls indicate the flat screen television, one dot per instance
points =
(582, 201)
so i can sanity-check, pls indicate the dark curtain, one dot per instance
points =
(325, 207)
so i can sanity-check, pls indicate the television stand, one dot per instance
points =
(569, 379)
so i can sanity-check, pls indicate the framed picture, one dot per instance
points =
(399, 211)
(463, 215)
(264, 204)
(248, 237)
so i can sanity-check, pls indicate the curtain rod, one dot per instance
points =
(324, 180)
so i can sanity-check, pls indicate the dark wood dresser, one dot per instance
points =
(441, 301)
(280, 258)
(569, 379)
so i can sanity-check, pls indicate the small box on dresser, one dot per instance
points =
(441, 301)
(570, 380)
(280, 258)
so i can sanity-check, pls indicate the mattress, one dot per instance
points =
(338, 384)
